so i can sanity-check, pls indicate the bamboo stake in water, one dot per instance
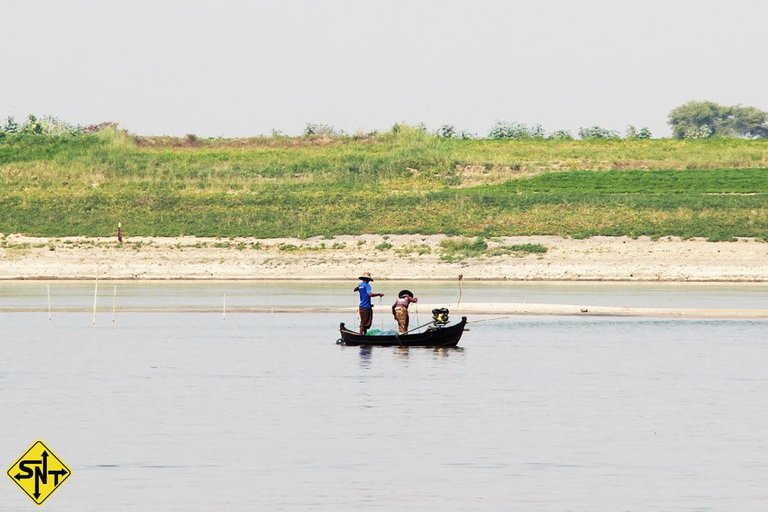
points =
(48, 286)
(114, 302)
(458, 302)
(224, 308)
(95, 293)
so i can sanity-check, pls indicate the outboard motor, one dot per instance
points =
(440, 316)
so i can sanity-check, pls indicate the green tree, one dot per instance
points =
(634, 133)
(598, 132)
(11, 126)
(749, 122)
(695, 118)
(507, 130)
(447, 131)
(644, 133)
(33, 125)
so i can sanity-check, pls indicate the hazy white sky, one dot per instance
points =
(234, 68)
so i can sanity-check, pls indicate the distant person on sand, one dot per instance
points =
(366, 309)
(400, 309)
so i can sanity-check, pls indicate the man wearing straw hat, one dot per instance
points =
(366, 309)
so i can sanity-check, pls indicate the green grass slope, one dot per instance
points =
(403, 181)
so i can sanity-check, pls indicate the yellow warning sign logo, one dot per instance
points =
(39, 472)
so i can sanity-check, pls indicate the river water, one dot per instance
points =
(180, 411)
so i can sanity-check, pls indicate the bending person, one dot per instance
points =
(400, 310)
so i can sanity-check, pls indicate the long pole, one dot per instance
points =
(48, 286)
(417, 328)
(224, 308)
(489, 319)
(95, 294)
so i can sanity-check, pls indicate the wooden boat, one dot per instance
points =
(435, 336)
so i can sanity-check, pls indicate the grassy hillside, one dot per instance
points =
(404, 181)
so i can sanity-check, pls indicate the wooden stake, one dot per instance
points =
(48, 286)
(458, 302)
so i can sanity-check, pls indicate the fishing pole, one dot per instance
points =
(489, 319)
(416, 328)
(381, 319)
(355, 310)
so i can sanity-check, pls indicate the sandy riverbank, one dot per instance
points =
(400, 257)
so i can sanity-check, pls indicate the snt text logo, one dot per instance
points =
(39, 472)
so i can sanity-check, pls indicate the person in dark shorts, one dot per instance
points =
(365, 308)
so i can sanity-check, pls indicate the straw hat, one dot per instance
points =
(366, 277)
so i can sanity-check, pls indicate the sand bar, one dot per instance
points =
(479, 311)
(396, 257)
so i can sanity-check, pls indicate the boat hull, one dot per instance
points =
(448, 336)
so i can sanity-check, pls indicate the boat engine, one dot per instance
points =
(440, 316)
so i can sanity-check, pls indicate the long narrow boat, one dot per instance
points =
(436, 336)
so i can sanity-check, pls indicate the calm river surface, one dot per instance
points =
(168, 411)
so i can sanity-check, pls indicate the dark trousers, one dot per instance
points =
(366, 319)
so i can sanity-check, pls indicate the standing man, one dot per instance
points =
(366, 309)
